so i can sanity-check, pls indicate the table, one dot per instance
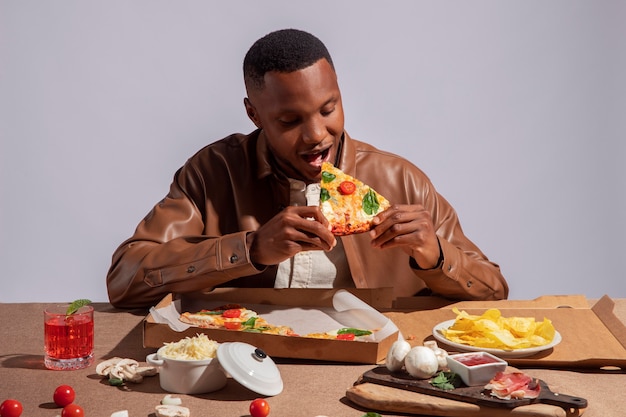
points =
(311, 388)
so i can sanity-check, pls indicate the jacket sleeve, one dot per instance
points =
(465, 272)
(169, 252)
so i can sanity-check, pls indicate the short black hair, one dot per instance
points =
(284, 50)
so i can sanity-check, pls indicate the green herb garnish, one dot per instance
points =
(260, 329)
(76, 305)
(324, 195)
(446, 381)
(116, 382)
(249, 324)
(356, 332)
(370, 203)
(327, 176)
(211, 312)
(372, 414)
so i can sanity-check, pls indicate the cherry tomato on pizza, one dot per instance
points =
(73, 410)
(11, 408)
(64, 395)
(345, 336)
(232, 325)
(232, 313)
(259, 408)
(347, 187)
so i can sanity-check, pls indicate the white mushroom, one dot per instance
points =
(104, 367)
(147, 370)
(124, 369)
(439, 352)
(396, 355)
(171, 411)
(421, 362)
(171, 400)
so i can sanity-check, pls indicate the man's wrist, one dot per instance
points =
(413, 262)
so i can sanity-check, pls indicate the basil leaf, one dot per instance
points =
(249, 324)
(211, 312)
(116, 382)
(446, 381)
(370, 203)
(324, 195)
(260, 329)
(327, 176)
(356, 332)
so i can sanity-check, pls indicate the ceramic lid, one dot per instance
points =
(251, 367)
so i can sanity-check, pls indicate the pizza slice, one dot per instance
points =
(239, 318)
(348, 203)
(345, 333)
(233, 317)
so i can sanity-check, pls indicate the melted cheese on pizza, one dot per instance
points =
(348, 212)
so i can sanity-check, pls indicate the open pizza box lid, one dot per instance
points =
(305, 310)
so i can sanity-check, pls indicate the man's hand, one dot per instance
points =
(409, 227)
(295, 229)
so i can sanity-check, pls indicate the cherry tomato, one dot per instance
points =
(259, 408)
(64, 395)
(347, 187)
(232, 325)
(345, 336)
(232, 313)
(72, 410)
(11, 408)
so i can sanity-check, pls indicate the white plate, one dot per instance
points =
(502, 353)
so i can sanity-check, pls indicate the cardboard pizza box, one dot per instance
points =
(593, 333)
(300, 304)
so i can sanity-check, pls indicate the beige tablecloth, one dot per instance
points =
(311, 388)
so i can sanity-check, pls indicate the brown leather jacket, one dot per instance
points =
(195, 238)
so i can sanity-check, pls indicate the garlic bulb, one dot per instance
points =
(421, 362)
(396, 355)
(439, 352)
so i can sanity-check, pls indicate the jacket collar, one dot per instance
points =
(264, 166)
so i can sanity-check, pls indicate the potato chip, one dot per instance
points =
(492, 330)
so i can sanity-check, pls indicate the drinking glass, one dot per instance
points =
(68, 338)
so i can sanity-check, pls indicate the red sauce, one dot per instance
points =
(473, 360)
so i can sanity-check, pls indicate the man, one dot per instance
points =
(243, 211)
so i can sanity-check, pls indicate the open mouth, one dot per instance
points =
(317, 158)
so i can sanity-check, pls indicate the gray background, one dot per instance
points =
(514, 109)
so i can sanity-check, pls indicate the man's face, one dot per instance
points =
(302, 117)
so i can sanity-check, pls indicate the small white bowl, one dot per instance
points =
(188, 376)
(475, 368)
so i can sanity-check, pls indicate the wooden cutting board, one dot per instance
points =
(381, 390)
(387, 399)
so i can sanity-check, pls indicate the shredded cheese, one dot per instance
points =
(199, 347)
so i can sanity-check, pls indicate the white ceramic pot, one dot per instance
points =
(188, 376)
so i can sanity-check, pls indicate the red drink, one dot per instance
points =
(68, 338)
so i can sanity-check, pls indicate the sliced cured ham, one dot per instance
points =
(513, 385)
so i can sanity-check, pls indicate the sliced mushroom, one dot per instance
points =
(171, 411)
(104, 367)
(124, 369)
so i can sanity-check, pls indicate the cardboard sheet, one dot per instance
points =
(591, 337)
